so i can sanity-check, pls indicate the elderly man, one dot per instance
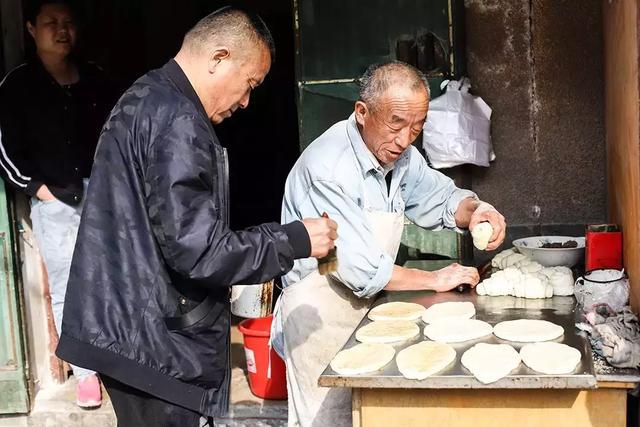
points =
(364, 173)
(147, 303)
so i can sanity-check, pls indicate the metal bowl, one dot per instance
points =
(551, 257)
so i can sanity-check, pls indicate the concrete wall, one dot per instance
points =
(538, 64)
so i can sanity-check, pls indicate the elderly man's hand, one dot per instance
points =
(453, 275)
(322, 233)
(486, 212)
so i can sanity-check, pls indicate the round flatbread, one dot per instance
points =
(446, 310)
(396, 311)
(362, 358)
(457, 330)
(387, 331)
(528, 330)
(424, 359)
(490, 362)
(550, 358)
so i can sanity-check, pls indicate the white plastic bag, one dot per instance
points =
(457, 130)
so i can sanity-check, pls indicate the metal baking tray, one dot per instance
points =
(559, 310)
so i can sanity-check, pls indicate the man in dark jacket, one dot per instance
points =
(51, 111)
(147, 304)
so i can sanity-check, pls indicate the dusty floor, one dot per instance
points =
(55, 407)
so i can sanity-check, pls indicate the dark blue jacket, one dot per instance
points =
(148, 295)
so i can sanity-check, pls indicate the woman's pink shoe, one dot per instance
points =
(88, 392)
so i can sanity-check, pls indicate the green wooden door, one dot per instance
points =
(14, 396)
(337, 40)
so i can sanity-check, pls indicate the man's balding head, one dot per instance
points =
(393, 105)
(225, 56)
(240, 30)
(379, 78)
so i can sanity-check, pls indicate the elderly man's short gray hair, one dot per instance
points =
(380, 77)
(229, 26)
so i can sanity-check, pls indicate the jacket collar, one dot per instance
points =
(179, 78)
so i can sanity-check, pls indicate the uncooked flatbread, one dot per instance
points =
(490, 362)
(550, 358)
(421, 360)
(457, 330)
(396, 311)
(446, 310)
(362, 358)
(528, 330)
(387, 331)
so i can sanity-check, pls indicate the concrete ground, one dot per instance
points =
(55, 406)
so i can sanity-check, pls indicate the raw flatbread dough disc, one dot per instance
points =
(386, 331)
(421, 360)
(490, 362)
(528, 330)
(457, 330)
(396, 311)
(550, 358)
(362, 358)
(444, 310)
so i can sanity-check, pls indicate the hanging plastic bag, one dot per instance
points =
(457, 130)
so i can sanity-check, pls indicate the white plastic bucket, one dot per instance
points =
(252, 301)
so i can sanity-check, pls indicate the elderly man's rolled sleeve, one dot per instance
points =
(455, 198)
(377, 282)
(363, 265)
(432, 198)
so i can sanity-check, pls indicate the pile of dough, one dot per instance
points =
(512, 281)
(397, 311)
(362, 358)
(550, 358)
(560, 278)
(528, 330)
(481, 234)
(507, 258)
(490, 362)
(528, 279)
(424, 359)
(387, 331)
(528, 266)
(445, 310)
(457, 330)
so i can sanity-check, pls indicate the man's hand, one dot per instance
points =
(322, 233)
(486, 212)
(453, 275)
(44, 194)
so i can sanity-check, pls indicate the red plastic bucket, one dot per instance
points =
(265, 382)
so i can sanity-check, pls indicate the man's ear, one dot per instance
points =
(31, 29)
(216, 57)
(361, 111)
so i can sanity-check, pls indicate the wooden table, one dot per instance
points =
(605, 406)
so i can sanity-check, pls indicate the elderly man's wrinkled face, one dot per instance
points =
(240, 79)
(393, 123)
(54, 31)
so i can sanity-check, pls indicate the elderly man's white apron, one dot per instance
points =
(319, 315)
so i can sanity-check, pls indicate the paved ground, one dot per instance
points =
(55, 407)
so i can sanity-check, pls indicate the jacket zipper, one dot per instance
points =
(226, 185)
